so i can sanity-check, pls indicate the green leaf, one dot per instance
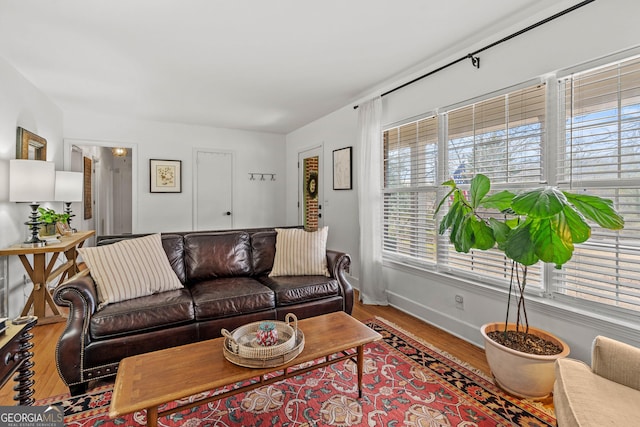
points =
(597, 209)
(552, 240)
(500, 201)
(580, 230)
(482, 235)
(462, 236)
(480, 186)
(539, 203)
(444, 199)
(450, 217)
(450, 183)
(519, 247)
(500, 231)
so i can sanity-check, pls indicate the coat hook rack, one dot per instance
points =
(252, 176)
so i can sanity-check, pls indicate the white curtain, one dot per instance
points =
(372, 288)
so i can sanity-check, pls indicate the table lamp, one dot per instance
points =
(33, 182)
(68, 190)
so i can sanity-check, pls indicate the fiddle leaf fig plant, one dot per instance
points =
(541, 224)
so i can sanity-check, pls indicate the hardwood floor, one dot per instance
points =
(48, 382)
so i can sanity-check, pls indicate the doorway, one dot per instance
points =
(213, 190)
(113, 185)
(310, 193)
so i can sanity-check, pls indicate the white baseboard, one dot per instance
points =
(456, 327)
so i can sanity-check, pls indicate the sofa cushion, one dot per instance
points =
(263, 251)
(230, 296)
(217, 254)
(130, 269)
(300, 252)
(137, 315)
(173, 245)
(296, 289)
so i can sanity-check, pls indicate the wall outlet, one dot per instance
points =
(459, 302)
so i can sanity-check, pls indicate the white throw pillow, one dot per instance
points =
(300, 252)
(130, 269)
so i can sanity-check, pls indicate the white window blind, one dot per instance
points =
(600, 155)
(501, 137)
(410, 185)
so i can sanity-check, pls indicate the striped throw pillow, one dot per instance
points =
(300, 252)
(130, 269)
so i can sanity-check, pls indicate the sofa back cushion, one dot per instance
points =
(173, 245)
(217, 254)
(263, 251)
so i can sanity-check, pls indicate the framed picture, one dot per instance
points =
(342, 174)
(30, 146)
(63, 228)
(165, 176)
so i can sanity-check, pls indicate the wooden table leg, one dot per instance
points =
(39, 285)
(152, 417)
(360, 368)
(40, 297)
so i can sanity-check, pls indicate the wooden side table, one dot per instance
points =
(42, 272)
(15, 343)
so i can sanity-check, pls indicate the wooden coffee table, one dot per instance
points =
(149, 380)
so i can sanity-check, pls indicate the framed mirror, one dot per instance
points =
(30, 146)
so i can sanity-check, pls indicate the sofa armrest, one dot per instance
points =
(79, 294)
(338, 264)
(616, 361)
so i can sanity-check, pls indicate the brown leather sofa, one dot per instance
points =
(223, 288)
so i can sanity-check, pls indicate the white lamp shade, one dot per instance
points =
(31, 180)
(68, 186)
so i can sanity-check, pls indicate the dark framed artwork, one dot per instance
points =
(30, 146)
(165, 176)
(342, 170)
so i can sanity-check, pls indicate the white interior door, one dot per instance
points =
(213, 190)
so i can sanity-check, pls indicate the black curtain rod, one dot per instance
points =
(475, 61)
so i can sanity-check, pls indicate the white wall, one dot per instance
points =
(339, 207)
(256, 203)
(22, 104)
(596, 30)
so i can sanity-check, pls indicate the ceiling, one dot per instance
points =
(262, 65)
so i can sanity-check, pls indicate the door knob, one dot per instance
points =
(227, 213)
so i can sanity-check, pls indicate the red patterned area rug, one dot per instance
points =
(407, 382)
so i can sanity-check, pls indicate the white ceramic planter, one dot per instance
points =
(521, 374)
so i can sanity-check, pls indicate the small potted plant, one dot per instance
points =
(541, 224)
(50, 217)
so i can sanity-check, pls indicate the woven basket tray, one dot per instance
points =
(243, 343)
(265, 363)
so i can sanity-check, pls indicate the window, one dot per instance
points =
(410, 188)
(506, 137)
(501, 137)
(600, 154)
